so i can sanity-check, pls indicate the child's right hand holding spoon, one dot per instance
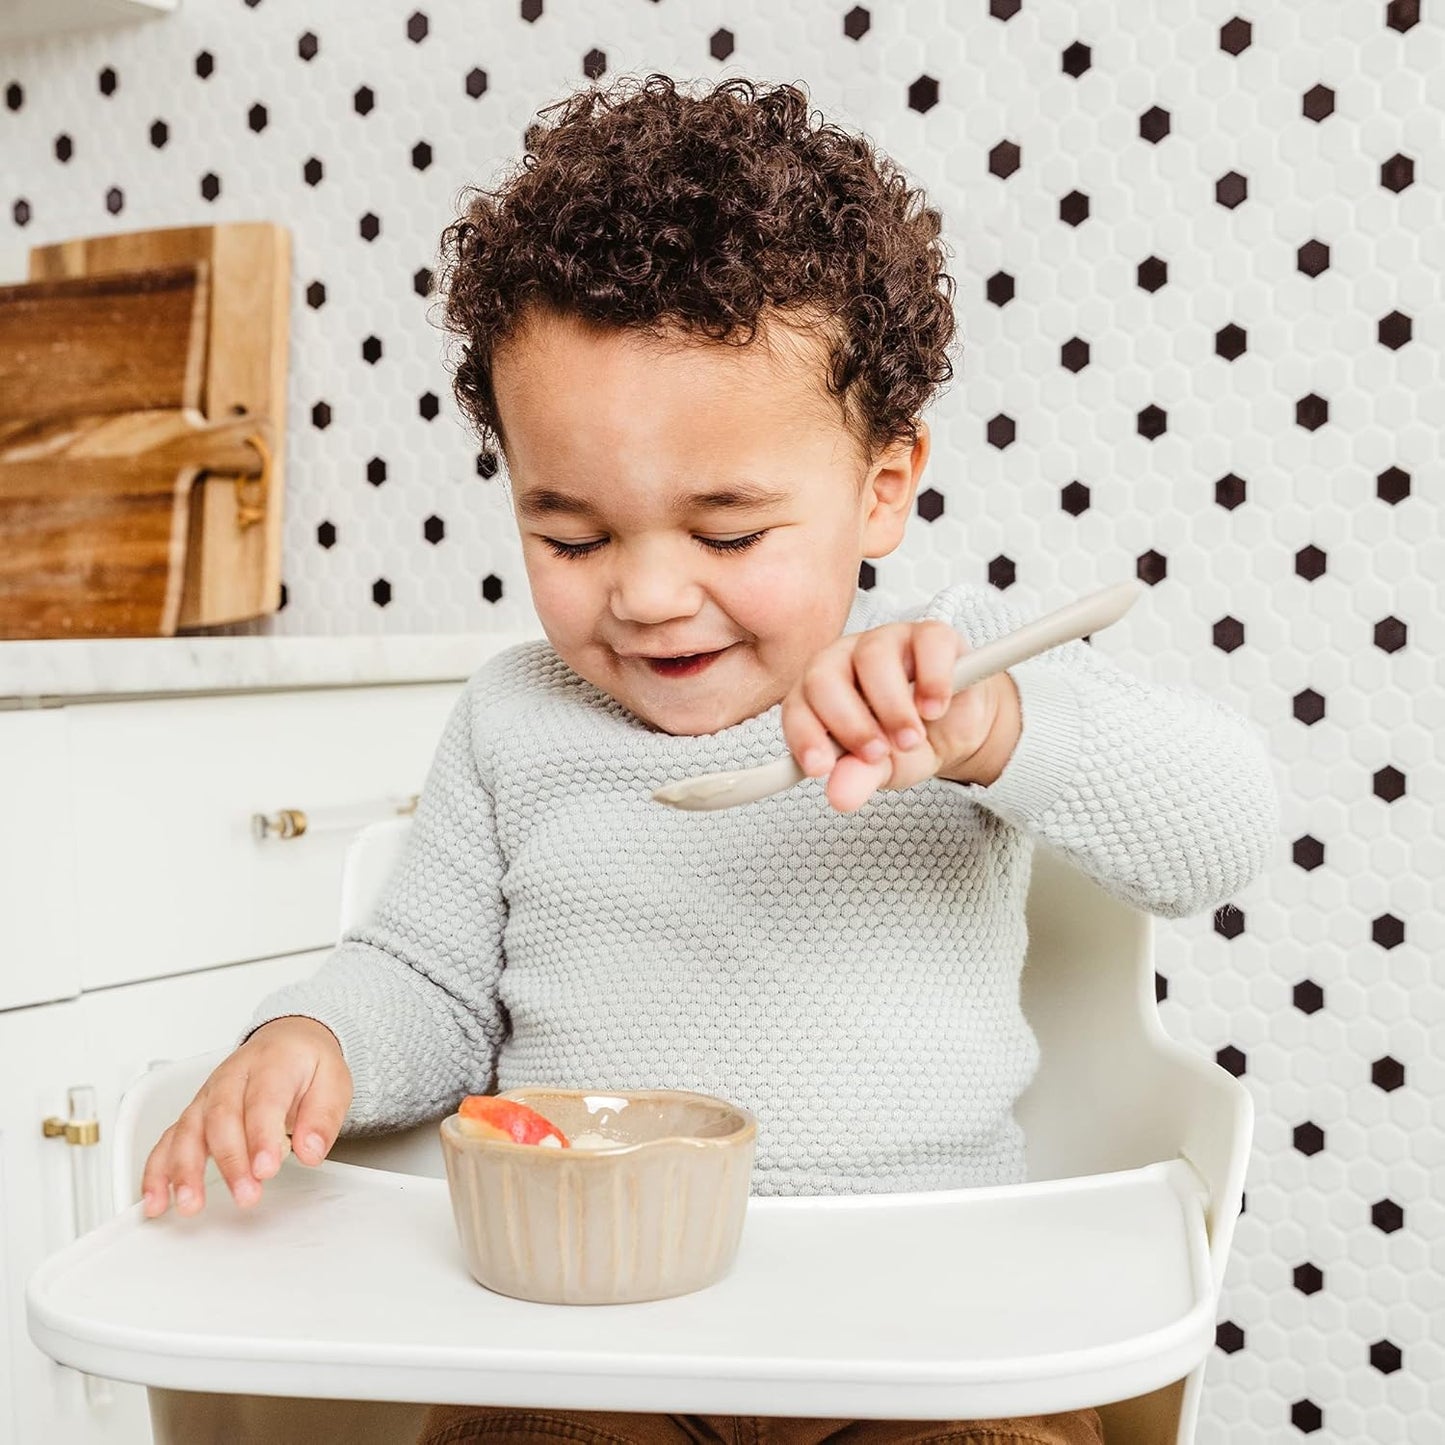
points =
(896, 661)
(885, 697)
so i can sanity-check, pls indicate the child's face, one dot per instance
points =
(692, 498)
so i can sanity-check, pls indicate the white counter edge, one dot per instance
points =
(38, 673)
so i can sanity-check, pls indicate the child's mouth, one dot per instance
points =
(686, 666)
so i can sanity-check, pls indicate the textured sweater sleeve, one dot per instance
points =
(1164, 795)
(412, 993)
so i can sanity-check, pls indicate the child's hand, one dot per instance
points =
(288, 1077)
(884, 699)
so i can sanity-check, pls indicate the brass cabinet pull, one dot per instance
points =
(296, 822)
(83, 1132)
(288, 823)
(87, 1167)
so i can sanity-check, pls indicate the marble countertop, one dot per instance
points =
(35, 673)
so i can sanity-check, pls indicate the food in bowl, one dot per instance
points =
(592, 1140)
(485, 1116)
(647, 1200)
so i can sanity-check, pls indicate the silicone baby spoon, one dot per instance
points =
(1087, 615)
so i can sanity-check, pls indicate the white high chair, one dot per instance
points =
(317, 1316)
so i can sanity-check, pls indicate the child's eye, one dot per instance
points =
(573, 549)
(716, 544)
(732, 544)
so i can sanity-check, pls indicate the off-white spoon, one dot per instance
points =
(1079, 619)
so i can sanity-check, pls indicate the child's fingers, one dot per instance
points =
(852, 782)
(936, 647)
(188, 1160)
(806, 736)
(322, 1109)
(270, 1096)
(155, 1183)
(226, 1142)
(883, 664)
(831, 690)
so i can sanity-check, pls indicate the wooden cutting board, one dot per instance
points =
(101, 442)
(225, 407)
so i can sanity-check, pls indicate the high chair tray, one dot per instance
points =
(348, 1283)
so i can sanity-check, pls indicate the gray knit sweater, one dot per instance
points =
(853, 979)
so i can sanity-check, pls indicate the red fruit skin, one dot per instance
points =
(494, 1118)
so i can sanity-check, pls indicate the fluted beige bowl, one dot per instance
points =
(659, 1216)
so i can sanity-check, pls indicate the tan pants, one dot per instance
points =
(466, 1424)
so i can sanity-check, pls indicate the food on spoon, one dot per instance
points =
(484, 1116)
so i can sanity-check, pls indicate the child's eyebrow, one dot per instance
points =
(734, 497)
(548, 501)
(544, 502)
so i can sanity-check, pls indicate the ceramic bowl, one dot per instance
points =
(657, 1212)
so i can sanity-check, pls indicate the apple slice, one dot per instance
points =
(484, 1116)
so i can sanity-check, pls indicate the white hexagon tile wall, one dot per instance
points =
(1198, 250)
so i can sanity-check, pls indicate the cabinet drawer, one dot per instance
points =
(169, 875)
(37, 912)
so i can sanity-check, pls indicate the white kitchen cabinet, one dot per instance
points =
(104, 1040)
(40, 1050)
(141, 918)
(37, 845)
(168, 873)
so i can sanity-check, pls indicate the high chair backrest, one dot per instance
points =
(372, 855)
(370, 859)
(1113, 1090)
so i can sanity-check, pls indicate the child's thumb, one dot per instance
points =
(320, 1113)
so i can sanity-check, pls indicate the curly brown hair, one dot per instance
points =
(647, 208)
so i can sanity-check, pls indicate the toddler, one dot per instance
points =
(701, 329)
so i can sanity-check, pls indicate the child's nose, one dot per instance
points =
(653, 591)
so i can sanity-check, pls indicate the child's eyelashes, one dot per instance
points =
(732, 544)
(713, 544)
(572, 549)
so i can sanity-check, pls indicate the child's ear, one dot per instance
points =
(888, 492)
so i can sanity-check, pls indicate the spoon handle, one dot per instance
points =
(1077, 619)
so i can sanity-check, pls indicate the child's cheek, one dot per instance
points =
(790, 609)
(562, 602)
(770, 593)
